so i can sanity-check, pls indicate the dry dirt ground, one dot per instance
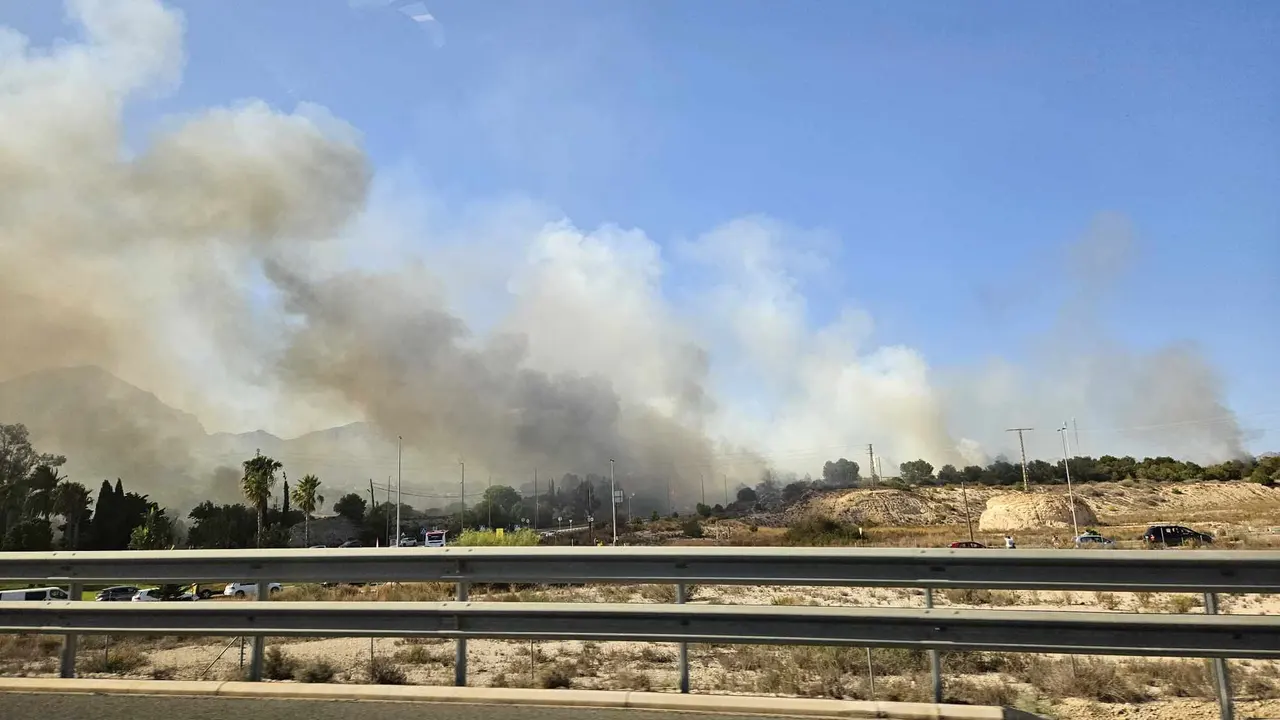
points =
(1241, 516)
(1063, 687)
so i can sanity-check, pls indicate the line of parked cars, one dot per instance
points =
(120, 593)
(1161, 535)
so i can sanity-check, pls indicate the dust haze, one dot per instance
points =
(223, 263)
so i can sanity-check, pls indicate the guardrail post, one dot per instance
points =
(460, 649)
(935, 657)
(1225, 709)
(259, 654)
(67, 666)
(684, 647)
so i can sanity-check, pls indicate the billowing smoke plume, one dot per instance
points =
(244, 265)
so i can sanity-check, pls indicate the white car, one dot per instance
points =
(236, 589)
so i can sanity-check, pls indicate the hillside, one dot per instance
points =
(1114, 503)
(111, 429)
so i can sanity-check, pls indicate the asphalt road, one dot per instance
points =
(132, 707)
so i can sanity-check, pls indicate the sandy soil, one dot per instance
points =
(725, 669)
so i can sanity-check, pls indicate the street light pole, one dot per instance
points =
(399, 450)
(613, 502)
(462, 496)
(1066, 465)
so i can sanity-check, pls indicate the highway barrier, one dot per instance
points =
(937, 630)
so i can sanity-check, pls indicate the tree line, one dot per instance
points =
(39, 504)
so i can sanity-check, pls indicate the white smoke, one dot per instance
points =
(239, 266)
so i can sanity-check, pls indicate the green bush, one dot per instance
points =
(818, 530)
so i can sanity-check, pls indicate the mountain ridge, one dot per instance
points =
(109, 428)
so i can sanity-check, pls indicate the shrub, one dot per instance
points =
(691, 528)
(385, 672)
(315, 671)
(818, 530)
(278, 666)
(556, 677)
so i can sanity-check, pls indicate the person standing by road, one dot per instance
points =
(1008, 542)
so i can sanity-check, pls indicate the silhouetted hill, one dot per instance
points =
(109, 428)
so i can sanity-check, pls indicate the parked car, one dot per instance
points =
(970, 544)
(407, 541)
(47, 593)
(1093, 540)
(116, 593)
(351, 544)
(236, 589)
(156, 595)
(1174, 535)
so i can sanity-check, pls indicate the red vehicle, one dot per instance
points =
(967, 544)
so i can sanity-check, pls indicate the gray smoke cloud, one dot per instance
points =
(243, 264)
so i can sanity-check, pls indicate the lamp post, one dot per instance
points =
(462, 496)
(613, 502)
(399, 447)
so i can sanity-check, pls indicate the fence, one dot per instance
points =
(1208, 572)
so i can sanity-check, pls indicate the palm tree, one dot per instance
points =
(41, 487)
(71, 501)
(306, 496)
(258, 481)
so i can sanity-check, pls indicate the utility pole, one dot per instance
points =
(702, 484)
(726, 488)
(1076, 429)
(388, 525)
(968, 520)
(880, 468)
(535, 498)
(1023, 447)
(1066, 465)
(613, 502)
(372, 501)
(871, 463)
(462, 496)
(399, 452)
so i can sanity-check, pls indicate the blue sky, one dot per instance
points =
(952, 149)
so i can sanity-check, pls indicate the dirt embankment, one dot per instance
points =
(1112, 503)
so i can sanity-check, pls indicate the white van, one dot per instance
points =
(48, 593)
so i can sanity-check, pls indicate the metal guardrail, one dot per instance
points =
(1207, 572)
(1228, 636)
(1105, 570)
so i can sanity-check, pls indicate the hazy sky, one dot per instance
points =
(926, 168)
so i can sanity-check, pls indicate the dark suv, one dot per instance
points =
(118, 593)
(1173, 535)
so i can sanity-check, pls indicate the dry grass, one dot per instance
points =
(418, 654)
(389, 592)
(666, 593)
(970, 596)
(117, 660)
(1184, 603)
